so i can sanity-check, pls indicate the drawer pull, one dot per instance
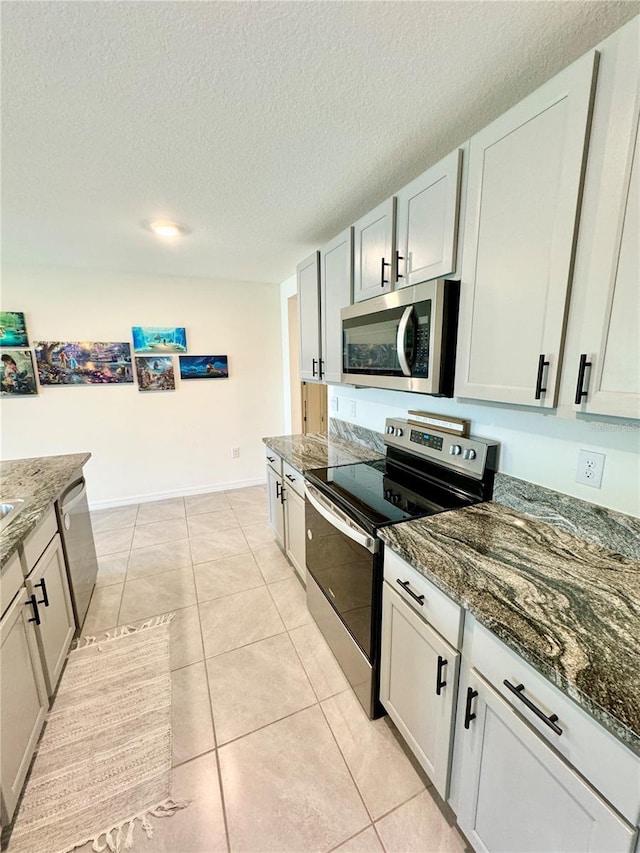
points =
(36, 616)
(289, 477)
(45, 598)
(440, 682)
(405, 587)
(271, 458)
(468, 716)
(519, 692)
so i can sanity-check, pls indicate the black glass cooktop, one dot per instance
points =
(379, 493)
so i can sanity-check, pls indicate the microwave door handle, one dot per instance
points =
(402, 334)
(361, 538)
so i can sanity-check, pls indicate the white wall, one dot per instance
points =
(540, 448)
(151, 445)
(288, 288)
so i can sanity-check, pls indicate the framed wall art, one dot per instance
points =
(83, 363)
(159, 339)
(17, 378)
(204, 367)
(13, 330)
(155, 373)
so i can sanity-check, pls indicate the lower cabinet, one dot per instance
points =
(24, 699)
(55, 624)
(276, 510)
(285, 495)
(418, 681)
(517, 794)
(295, 530)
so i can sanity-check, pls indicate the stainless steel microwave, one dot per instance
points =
(403, 340)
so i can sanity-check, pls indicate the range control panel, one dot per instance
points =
(471, 455)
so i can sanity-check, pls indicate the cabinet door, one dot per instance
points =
(276, 511)
(428, 223)
(418, 685)
(336, 288)
(296, 532)
(606, 285)
(524, 181)
(517, 794)
(309, 314)
(49, 583)
(373, 251)
(23, 698)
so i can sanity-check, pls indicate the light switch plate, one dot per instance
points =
(334, 404)
(590, 468)
(352, 408)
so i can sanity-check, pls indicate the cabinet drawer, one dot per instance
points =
(293, 479)
(11, 579)
(438, 609)
(273, 460)
(608, 765)
(34, 545)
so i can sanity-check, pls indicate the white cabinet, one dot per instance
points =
(55, 626)
(23, 696)
(418, 685)
(274, 498)
(523, 191)
(427, 223)
(373, 251)
(308, 273)
(294, 522)
(517, 794)
(602, 360)
(336, 292)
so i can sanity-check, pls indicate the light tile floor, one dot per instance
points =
(269, 743)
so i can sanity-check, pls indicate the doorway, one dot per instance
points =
(308, 399)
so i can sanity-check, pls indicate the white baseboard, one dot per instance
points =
(174, 493)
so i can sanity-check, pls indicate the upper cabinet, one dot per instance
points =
(336, 292)
(309, 314)
(374, 247)
(602, 360)
(427, 223)
(524, 182)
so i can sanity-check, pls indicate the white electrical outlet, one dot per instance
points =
(352, 408)
(334, 404)
(590, 468)
(235, 452)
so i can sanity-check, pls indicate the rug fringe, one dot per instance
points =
(113, 836)
(121, 631)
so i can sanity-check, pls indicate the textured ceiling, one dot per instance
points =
(266, 127)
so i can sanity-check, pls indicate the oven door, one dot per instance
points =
(344, 585)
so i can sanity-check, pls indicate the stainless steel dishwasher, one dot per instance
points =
(79, 549)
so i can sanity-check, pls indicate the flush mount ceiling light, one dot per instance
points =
(166, 229)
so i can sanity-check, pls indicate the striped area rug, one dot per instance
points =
(104, 762)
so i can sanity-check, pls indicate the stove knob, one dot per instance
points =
(455, 450)
(470, 454)
(389, 430)
(399, 432)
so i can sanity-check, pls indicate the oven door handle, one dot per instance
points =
(402, 334)
(361, 538)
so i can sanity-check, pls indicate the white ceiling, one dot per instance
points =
(266, 127)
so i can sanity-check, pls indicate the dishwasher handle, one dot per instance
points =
(73, 495)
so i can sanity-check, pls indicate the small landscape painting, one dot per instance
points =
(204, 367)
(17, 378)
(155, 373)
(13, 331)
(84, 363)
(159, 339)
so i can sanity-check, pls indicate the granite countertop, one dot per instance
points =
(39, 481)
(319, 450)
(568, 606)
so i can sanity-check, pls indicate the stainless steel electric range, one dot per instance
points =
(425, 471)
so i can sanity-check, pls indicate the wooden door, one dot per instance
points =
(23, 696)
(48, 582)
(309, 314)
(336, 288)
(427, 229)
(418, 685)
(518, 794)
(373, 251)
(524, 182)
(314, 407)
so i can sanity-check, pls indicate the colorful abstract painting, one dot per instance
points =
(159, 339)
(17, 378)
(13, 331)
(155, 373)
(85, 363)
(204, 367)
